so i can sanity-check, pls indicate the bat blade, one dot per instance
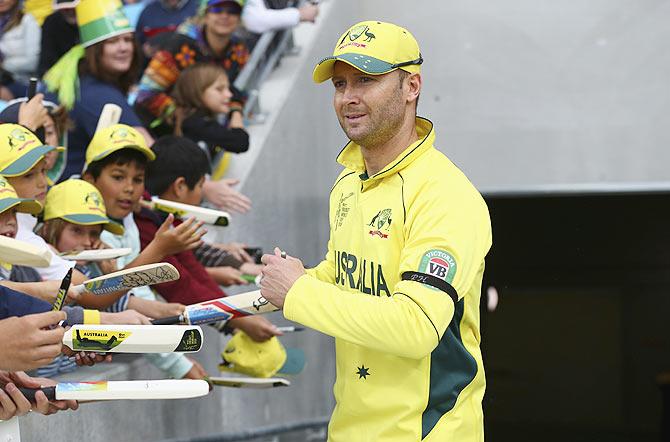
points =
(13, 251)
(134, 338)
(118, 390)
(224, 309)
(96, 254)
(249, 382)
(111, 114)
(127, 279)
(208, 216)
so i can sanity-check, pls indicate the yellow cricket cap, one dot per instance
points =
(20, 150)
(9, 199)
(113, 138)
(78, 202)
(260, 359)
(373, 47)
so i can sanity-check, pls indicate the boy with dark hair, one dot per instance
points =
(116, 160)
(178, 174)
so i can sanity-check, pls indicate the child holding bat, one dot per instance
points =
(177, 174)
(116, 160)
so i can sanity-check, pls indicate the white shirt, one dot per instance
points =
(259, 18)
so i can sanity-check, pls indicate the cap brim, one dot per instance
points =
(364, 63)
(147, 153)
(87, 219)
(23, 164)
(23, 205)
(295, 361)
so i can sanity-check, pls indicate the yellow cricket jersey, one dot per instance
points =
(399, 289)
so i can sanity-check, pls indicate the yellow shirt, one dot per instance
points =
(408, 361)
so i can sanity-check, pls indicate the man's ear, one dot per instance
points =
(414, 81)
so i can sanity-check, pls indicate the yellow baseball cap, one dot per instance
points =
(20, 150)
(373, 47)
(113, 138)
(9, 199)
(78, 202)
(260, 359)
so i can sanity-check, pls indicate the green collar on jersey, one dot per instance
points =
(352, 158)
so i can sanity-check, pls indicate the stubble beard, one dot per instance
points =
(383, 123)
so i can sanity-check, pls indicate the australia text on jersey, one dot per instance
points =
(360, 274)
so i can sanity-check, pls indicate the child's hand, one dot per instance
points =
(196, 372)
(249, 268)
(227, 276)
(257, 327)
(186, 236)
(171, 309)
(32, 113)
(108, 265)
(91, 358)
(236, 249)
(126, 317)
(222, 195)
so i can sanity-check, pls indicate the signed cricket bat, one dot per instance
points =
(115, 390)
(114, 338)
(208, 216)
(95, 254)
(13, 251)
(248, 382)
(130, 278)
(222, 309)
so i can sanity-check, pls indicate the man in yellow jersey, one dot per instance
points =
(400, 284)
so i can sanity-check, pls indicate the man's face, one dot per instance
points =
(32, 184)
(121, 187)
(370, 108)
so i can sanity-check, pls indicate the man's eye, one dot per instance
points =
(365, 79)
(338, 84)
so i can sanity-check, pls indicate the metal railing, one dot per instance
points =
(269, 49)
(314, 430)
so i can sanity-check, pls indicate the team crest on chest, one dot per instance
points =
(381, 223)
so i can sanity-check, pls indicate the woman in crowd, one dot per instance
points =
(19, 48)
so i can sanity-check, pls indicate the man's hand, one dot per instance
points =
(33, 114)
(278, 276)
(26, 344)
(222, 195)
(257, 327)
(186, 236)
(12, 380)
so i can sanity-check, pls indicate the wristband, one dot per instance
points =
(91, 316)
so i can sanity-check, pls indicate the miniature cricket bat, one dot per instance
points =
(248, 382)
(222, 309)
(129, 278)
(13, 251)
(208, 216)
(111, 114)
(115, 390)
(114, 338)
(95, 254)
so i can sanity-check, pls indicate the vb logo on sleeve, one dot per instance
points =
(439, 264)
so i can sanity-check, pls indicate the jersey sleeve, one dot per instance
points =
(447, 243)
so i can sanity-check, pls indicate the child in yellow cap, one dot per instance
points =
(116, 160)
(74, 217)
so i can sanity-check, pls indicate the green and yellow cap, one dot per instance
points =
(78, 202)
(20, 150)
(113, 138)
(373, 47)
(99, 20)
(260, 359)
(9, 199)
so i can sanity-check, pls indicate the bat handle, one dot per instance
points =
(29, 393)
(169, 320)
(32, 88)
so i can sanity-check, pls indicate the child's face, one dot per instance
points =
(121, 187)
(77, 237)
(8, 226)
(217, 96)
(193, 196)
(33, 184)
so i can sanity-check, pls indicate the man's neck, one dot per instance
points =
(378, 157)
(216, 42)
